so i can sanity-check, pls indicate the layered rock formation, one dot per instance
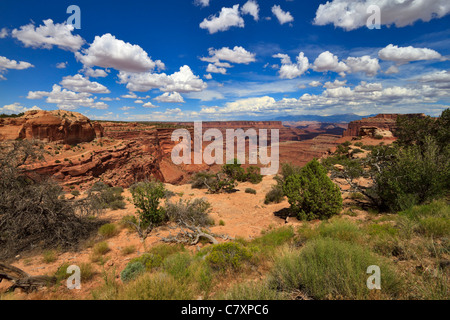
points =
(382, 124)
(50, 126)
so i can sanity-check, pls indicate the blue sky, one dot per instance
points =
(185, 60)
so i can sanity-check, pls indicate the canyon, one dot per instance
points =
(79, 152)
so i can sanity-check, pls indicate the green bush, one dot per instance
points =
(108, 230)
(101, 248)
(146, 198)
(132, 271)
(275, 195)
(250, 190)
(312, 194)
(332, 269)
(228, 255)
(417, 174)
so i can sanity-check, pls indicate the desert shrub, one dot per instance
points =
(378, 137)
(49, 256)
(332, 269)
(159, 286)
(177, 265)
(86, 272)
(149, 260)
(253, 175)
(250, 190)
(234, 170)
(128, 221)
(108, 230)
(128, 250)
(201, 180)
(75, 193)
(194, 212)
(417, 174)
(228, 255)
(132, 271)
(101, 248)
(275, 195)
(32, 213)
(104, 196)
(312, 194)
(146, 198)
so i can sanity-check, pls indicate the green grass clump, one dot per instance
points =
(49, 256)
(108, 230)
(340, 229)
(227, 256)
(159, 286)
(274, 238)
(101, 248)
(128, 250)
(275, 195)
(250, 190)
(332, 269)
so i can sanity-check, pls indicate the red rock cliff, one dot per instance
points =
(51, 126)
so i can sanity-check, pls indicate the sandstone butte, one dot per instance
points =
(120, 153)
(51, 126)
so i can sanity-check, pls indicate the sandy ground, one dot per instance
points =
(245, 215)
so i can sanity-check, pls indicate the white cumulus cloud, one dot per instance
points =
(48, 35)
(227, 18)
(282, 16)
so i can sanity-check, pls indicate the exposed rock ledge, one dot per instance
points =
(51, 126)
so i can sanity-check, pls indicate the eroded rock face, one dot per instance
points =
(385, 124)
(50, 126)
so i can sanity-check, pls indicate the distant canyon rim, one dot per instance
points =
(80, 152)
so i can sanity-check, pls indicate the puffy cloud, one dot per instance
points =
(108, 52)
(61, 65)
(282, 16)
(174, 97)
(392, 70)
(327, 61)
(95, 73)
(335, 84)
(126, 108)
(315, 84)
(149, 105)
(5, 63)
(181, 81)
(66, 99)
(236, 55)
(4, 33)
(48, 35)
(79, 83)
(403, 55)
(251, 7)
(214, 69)
(16, 108)
(201, 3)
(289, 70)
(208, 76)
(363, 64)
(351, 14)
(368, 87)
(228, 17)
(139, 101)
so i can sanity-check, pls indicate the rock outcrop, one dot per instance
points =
(51, 126)
(382, 124)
